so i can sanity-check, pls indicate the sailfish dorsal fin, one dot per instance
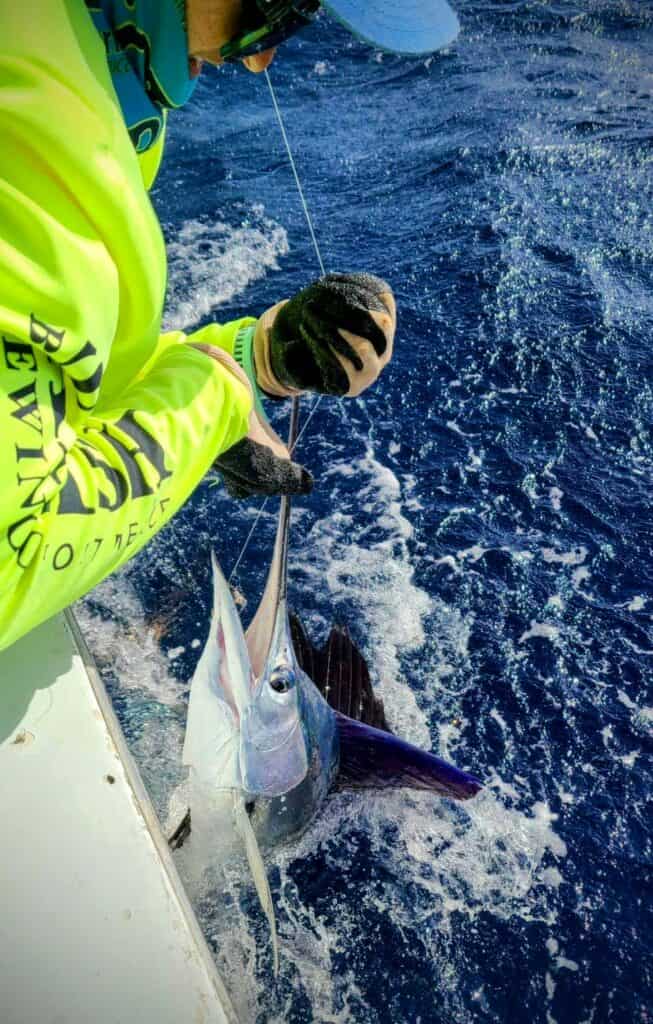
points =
(340, 673)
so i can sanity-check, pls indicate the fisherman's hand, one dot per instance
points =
(259, 464)
(334, 337)
(252, 470)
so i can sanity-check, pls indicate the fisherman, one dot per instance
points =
(109, 424)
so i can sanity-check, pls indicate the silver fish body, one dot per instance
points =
(271, 741)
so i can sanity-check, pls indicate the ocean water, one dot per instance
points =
(481, 520)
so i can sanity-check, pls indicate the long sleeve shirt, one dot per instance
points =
(107, 425)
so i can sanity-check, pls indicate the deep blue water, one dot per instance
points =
(482, 519)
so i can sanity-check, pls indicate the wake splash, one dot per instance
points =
(463, 864)
(211, 263)
(369, 579)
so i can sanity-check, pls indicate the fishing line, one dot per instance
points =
(294, 436)
(286, 140)
(248, 539)
(262, 508)
(306, 422)
(294, 419)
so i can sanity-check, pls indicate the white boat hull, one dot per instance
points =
(95, 925)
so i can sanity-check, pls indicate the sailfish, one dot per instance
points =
(274, 724)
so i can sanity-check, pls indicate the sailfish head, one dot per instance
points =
(289, 745)
(257, 727)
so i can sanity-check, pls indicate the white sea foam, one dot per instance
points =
(563, 963)
(208, 264)
(529, 487)
(628, 760)
(556, 496)
(500, 720)
(475, 461)
(579, 576)
(574, 557)
(626, 700)
(644, 717)
(456, 428)
(638, 650)
(518, 555)
(544, 630)
(476, 860)
(376, 576)
(565, 797)
(492, 854)
(498, 785)
(125, 642)
(449, 561)
(473, 554)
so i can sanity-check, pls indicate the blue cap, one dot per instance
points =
(410, 27)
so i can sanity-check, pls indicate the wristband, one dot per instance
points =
(244, 356)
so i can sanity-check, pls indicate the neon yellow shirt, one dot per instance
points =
(107, 425)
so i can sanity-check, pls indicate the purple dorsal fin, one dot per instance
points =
(373, 759)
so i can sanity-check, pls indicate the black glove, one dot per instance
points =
(250, 469)
(306, 349)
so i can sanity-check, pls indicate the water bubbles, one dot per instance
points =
(211, 262)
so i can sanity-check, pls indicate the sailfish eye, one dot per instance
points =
(281, 680)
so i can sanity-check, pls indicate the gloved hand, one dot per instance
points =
(250, 469)
(334, 337)
(260, 463)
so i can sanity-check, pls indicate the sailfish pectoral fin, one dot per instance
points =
(373, 759)
(257, 867)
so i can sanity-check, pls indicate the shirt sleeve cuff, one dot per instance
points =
(244, 356)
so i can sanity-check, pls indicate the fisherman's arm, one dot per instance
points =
(334, 338)
(90, 473)
(107, 429)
